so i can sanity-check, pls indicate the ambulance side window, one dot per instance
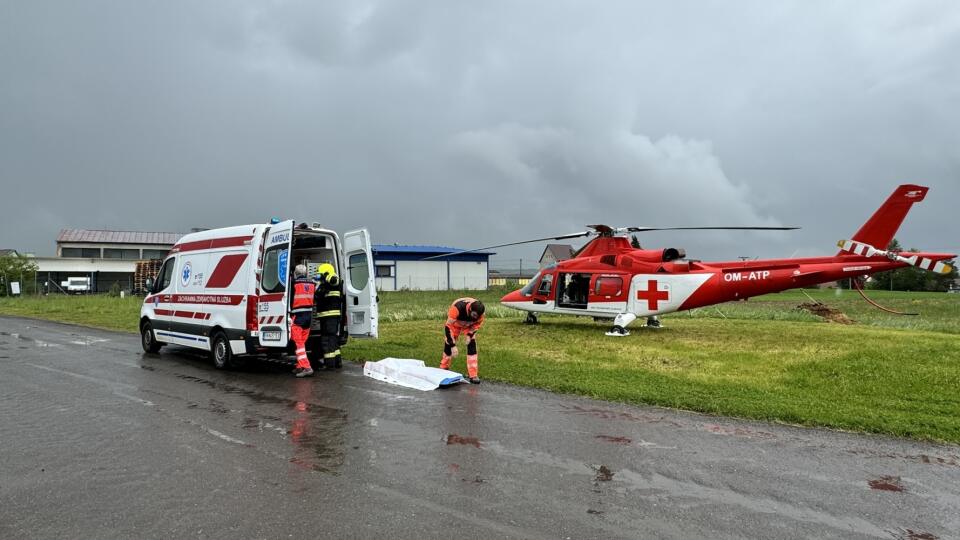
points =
(164, 276)
(274, 278)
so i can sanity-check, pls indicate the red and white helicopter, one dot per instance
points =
(609, 278)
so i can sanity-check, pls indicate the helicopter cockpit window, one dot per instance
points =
(545, 285)
(527, 289)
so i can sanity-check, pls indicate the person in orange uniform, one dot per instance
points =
(464, 316)
(301, 314)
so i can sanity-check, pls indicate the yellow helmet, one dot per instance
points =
(325, 271)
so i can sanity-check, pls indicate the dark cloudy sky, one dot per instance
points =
(472, 123)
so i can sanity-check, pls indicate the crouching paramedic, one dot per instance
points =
(329, 298)
(301, 313)
(464, 316)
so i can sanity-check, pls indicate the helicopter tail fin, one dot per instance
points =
(883, 224)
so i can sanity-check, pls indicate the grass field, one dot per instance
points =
(763, 358)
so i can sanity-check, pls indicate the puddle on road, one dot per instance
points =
(316, 432)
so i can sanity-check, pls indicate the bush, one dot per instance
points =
(114, 289)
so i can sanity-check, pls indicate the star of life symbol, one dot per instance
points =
(185, 275)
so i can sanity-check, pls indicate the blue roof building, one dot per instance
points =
(403, 267)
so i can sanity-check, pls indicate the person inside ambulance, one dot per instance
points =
(329, 300)
(464, 316)
(301, 313)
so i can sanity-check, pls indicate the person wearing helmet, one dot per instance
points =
(464, 316)
(301, 313)
(329, 300)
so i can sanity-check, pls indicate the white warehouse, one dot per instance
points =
(402, 267)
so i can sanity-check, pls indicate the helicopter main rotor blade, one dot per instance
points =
(645, 229)
(561, 237)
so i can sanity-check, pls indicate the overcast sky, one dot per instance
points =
(473, 123)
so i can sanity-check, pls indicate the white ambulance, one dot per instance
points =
(227, 290)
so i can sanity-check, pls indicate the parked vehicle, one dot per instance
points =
(228, 290)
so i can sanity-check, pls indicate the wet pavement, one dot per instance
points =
(98, 440)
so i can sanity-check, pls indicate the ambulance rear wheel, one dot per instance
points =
(220, 351)
(148, 339)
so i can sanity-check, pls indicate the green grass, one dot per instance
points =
(99, 311)
(761, 359)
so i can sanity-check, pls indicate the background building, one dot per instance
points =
(101, 259)
(402, 267)
(555, 253)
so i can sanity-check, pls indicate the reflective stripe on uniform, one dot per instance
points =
(333, 354)
(329, 313)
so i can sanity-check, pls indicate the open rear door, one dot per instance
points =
(274, 285)
(359, 283)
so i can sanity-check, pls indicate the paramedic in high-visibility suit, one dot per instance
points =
(301, 314)
(465, 316)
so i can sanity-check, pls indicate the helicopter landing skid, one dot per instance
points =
(618, 331)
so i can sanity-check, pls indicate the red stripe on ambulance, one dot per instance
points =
(222, 276)
(231, 241)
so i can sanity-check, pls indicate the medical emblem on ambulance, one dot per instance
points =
(185, 274)
(282, 267)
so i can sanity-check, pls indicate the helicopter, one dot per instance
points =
(609, 278)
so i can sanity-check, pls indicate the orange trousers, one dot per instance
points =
(451, 333)
(299, 335)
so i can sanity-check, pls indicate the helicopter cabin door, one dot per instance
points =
(573, 290)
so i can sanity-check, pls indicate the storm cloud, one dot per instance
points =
(474, 123)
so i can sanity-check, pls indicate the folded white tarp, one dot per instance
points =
(410, 373)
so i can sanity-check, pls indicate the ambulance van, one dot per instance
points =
(228, 290)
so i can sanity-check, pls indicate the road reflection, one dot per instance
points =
(316, 431)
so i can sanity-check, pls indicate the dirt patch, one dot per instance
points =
(604, 474)
(887, 483)
(910, 534)
(826, 312)
(453, 438)
(615, 440)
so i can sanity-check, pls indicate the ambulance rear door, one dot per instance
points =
(273, 301)
(359, 284)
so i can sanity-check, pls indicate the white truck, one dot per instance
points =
(227, 290)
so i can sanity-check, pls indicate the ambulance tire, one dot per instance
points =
(148, 339)
(220, 351)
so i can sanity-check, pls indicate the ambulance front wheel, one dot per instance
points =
(220, 351)
(148, 339)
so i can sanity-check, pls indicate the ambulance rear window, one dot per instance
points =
(274, 277)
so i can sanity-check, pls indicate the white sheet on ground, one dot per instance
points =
(410, 373)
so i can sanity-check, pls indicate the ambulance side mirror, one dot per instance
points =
(149, 284)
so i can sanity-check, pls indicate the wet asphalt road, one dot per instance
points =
(98, 440)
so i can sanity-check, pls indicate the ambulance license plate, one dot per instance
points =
(271, 336)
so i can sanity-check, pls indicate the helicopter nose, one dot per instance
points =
(514, 296)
